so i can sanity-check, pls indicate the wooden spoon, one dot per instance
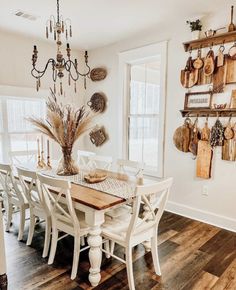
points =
(198, 62)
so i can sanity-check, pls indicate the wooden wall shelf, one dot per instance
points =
(209, 41)
(208, 113)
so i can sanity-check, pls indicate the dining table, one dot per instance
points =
(94, 202)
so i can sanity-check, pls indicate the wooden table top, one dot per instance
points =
(97, 199)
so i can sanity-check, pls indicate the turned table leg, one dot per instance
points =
(3, 276)
(94, 219)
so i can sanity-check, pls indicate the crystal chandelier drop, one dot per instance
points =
(58, 27)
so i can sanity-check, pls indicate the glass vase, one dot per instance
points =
(67, 165)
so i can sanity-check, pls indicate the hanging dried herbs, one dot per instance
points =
(217, 134)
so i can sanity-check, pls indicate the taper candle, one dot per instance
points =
(48, 153)
(42, 142)
(38, 146)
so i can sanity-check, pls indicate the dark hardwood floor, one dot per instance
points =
(193, 255)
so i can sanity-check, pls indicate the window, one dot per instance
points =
(19, 135)
(142, 75)
(143, 117)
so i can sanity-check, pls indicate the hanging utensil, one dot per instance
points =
(232, 51)
(220, 73)
(209, 63)
(206, 132)
(231, 26)
(198, 62)
(204, 160)
(220, 59)
(195, 137)
(189, 76)
(229, 132)
(181, 136)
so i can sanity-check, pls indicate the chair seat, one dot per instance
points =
(121, 212)
(65, 225)
(116, 229)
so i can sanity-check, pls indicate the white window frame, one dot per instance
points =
(137, 56)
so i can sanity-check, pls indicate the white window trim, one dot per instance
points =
(127, 58)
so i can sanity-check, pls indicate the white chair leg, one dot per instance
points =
(112, 247)
(22, 223)
(107, 248)
(129, 267)
(47, 237)
(31, 229)
(9, 211)
(75, 257)
(53, 245)
(155, 258)
(82, 240)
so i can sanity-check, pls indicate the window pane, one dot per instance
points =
(143, 141)
(19, 110)
(23, 142)
(145, 88)
(1, 120)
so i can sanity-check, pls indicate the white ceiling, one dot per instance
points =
(97, 23)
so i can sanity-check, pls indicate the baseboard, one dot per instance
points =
(203, 216)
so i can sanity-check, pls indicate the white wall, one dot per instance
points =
(219, 207)
(16, 65)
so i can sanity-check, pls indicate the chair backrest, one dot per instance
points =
(58, 197)
(154, 198)
(20, 157)
(28, 180)
(100, 162)
(128, 166)
(83, 158)
(9, 183)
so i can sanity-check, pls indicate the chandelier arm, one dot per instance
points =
(68, 65)
(87, 73)
(41, 73)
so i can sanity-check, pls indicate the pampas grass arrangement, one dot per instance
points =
(64, 125)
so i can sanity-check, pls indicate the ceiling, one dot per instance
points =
(98, 23)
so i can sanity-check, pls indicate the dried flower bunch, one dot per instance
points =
(64, 125)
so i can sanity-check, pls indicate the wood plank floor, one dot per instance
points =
(193, 255)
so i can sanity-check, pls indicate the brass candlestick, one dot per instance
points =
(48, 163)
(39, 162)
(43, 164)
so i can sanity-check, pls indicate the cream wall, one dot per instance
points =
(16, 65)
(219, 207)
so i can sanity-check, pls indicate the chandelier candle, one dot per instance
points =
(57, 26)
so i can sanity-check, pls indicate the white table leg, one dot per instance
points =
(3, 276)
(95, 219)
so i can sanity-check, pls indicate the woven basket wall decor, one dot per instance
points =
(97, 102)
(98, 74)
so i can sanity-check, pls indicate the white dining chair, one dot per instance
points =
(13, 198)
(100, 162)
(23, 157)
(138, 228)
(38, 207)
(130, 167)
(64, 217)
(83, 158)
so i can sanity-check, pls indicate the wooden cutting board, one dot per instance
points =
(219, 78)
(202, 78)
(204, 160)
(229, 150)
(231, 71)
(181, 138)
